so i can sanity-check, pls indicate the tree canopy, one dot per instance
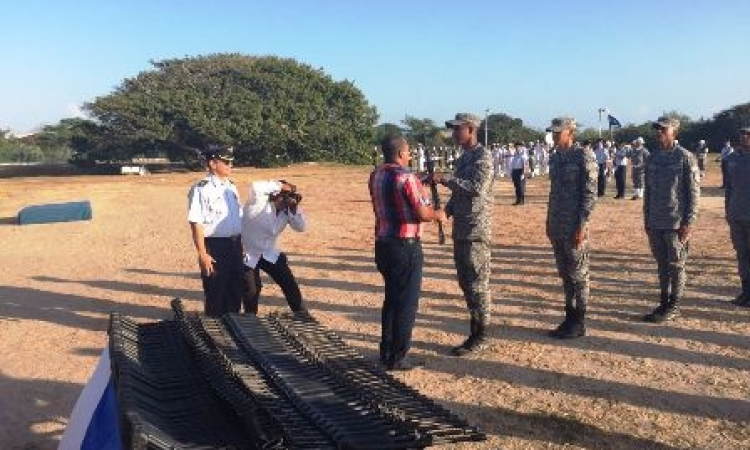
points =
(272, 110)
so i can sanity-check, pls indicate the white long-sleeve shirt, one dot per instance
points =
(261, 225)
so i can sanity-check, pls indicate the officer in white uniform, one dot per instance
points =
(214, 215)
(271, 206)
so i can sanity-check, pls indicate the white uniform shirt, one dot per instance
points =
(520, 159)
(602, 155)
(726, 151)
(215, 204)
(261, 226)
(621, 156)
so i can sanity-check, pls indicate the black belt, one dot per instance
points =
(408, 240)
(234, 238)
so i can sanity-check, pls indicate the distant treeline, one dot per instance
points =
(273, 111)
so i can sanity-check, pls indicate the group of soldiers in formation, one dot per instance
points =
(666, 177)
(234, 243)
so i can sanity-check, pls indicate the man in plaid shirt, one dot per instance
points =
(400, 206)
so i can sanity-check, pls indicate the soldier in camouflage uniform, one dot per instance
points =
(470, 205)
(573, 175)
(736, 201)
(638, 155)
(670, 208)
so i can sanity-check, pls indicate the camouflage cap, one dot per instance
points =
(462, 118)
(666, 122)
(562, 123)
(222, 152)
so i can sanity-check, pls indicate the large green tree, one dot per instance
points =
(270, 109)
(502, 128)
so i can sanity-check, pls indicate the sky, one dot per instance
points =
(531, 59)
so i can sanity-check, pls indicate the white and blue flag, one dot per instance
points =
(94, 423)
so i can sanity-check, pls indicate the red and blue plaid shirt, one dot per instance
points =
(396, 195)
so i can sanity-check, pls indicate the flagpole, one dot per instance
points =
(601, 110)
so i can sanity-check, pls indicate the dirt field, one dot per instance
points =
(628, 385)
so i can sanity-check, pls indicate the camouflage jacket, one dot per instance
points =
(638, 157)
(471, 199)
(572, 195)
(670, 198)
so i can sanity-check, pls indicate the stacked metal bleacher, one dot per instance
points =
(277, 382)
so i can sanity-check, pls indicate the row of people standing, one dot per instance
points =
(222, 234)
(670, 191)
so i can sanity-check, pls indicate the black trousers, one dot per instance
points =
(399, 261)
(519, 183)
(281, 274)
(601, 182)
(620, 173)
(223, 289)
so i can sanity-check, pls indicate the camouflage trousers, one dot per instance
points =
(573, 268)
(740, 234)
(472, 259)
(671, 256)
(636, 176)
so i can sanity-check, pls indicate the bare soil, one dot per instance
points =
(626, 385)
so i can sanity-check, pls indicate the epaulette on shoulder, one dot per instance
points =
(230, 181)
(202, 183)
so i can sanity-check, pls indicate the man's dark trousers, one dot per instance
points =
(400, 263)
(620, 175)
(281, 274)
(519, 183)
(601, 181)
(223, 289)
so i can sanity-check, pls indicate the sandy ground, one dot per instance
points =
(627, 385)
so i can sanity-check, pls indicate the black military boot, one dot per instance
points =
(575, 327)
(665, 311)
(744, 298)
(476, 340)
(657, 314)
(562, 329)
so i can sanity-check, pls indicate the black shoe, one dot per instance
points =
(517, 202)
(618, 197)
(661, 314)
(742, 300)
(472, 344)
(570, 330)
(405, 365)
(635, 197)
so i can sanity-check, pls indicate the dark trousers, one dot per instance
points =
(723, 171)
(601, 181)
(620, 173)
(223, 289)
(519, 183)
(399, 261)
(281, 274)
(740, 234)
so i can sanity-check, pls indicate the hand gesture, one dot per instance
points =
(683, 233)
(580, 237)
(206, 263)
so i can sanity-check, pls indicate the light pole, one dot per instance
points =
(486, 125)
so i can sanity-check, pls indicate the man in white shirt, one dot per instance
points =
(214, 217)
(519, 167)
(271, 206)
